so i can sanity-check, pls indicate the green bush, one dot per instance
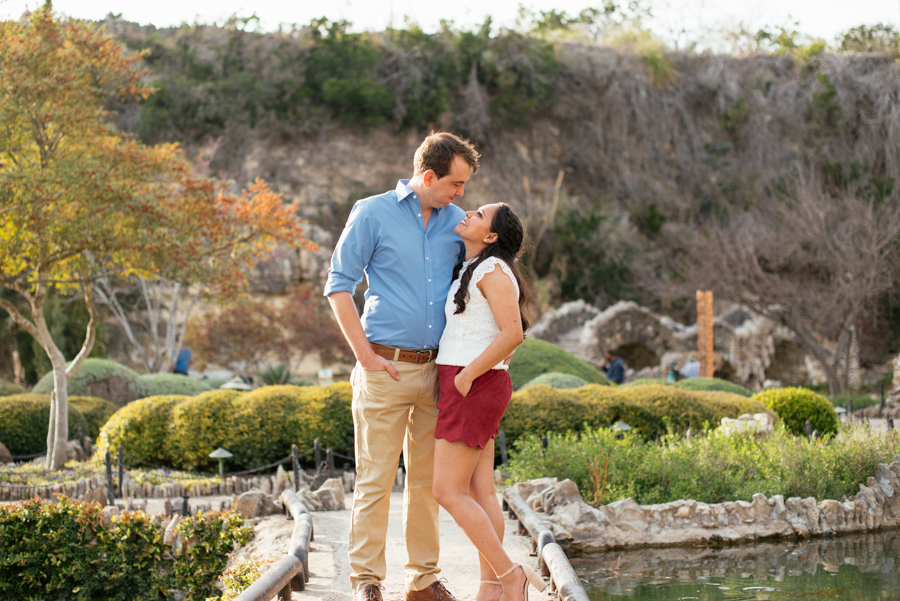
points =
(796, 405)
(268, 420)
(652, 410)
(143, 428)
(557, 380)
(712, 384)
(200, 425)
(535, 357)
(164, 384)
(24, 419)
(645, 382)
(301, 382)
(65, 551)
(8, 388)
(335, 420)
(709, 468)
(100, 378)
(96, 413)
(860, 401)
(214, 383)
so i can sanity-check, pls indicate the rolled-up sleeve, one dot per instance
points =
(352, 252)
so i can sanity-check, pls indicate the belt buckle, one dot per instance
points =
(419, 354)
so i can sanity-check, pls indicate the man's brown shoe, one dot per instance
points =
(370, 592)
(436, 592)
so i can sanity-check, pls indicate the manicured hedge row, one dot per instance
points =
(796, 405)
(650, 409)
(535, 357)
(24, 419)
(257, 427)
(8, 388)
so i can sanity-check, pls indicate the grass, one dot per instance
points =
(709, 468)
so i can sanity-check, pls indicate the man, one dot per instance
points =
(403, 241)
(613, 367)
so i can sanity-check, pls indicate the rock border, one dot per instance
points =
(581, 528)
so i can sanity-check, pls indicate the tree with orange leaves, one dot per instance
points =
(79, 201)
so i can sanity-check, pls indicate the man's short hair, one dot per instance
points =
(612, 351)
(438, 151)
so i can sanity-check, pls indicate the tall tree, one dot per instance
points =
(815, 260)
(79, 201)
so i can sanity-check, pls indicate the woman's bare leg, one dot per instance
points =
(484, 493)
(454, 470)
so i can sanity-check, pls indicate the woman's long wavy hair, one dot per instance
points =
(508, 246)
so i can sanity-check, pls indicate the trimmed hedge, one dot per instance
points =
(142, 428)
(557, 380)
(96, 412)
(535, 357)
(24, 419)
(713, 384)
(796, 405)
(257, 427)
(166, 384)
(100, 378)
(200, 425)
(645, 382)
(651, 410)
(8, 388)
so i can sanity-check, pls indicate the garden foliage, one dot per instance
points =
(8, 388)
(65, 551)
(101, 378)
(24, 419)
(159, 384)
(651, 410)
(535, 357)
(796, 405)
(709, 467)
(557, 380)
(96, 412)
(257, 427)
(712, 384)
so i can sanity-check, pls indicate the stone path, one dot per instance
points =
(329, 566)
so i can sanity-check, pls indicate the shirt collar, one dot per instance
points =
(403, 190)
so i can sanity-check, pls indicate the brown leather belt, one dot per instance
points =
(398, 354)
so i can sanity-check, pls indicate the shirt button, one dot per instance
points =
(427, 258)
(420, 214)
(429, 280)
(429, 326)
(430, 303)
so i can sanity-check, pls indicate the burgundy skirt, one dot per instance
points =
(473, 419)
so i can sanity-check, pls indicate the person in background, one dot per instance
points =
(183, 361)
(613, 367)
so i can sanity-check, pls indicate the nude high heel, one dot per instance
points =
(531, 577)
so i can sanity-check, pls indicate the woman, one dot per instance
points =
(484, 325)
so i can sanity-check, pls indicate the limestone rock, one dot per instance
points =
(255, 503)
(109, 512)
(74, 452)
(169, 533)
(330, 494)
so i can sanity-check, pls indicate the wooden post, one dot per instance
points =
(295, 463)
(705, 333)
(121, 472)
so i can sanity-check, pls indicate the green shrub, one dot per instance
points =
(100, 378)
(710, 468)
(645, 382)
(860, 401)
(557, 380)
(64, 551)
(200, 425)
(214, 383)
(275, 374)
(335, 420)
(268, 420)
(651, 410)
(143, 428)
(165, 384)
(8, 388)
(796, 405)
(24, 419)
(96, 413)
(301, 382)
(710, 384)
(535, 357)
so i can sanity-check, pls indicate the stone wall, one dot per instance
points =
(753, 348)
(580, 528)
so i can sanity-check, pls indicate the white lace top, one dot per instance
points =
(469, 333)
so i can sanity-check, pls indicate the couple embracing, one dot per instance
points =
(443, 313)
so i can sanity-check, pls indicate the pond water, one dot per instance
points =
(857, 567)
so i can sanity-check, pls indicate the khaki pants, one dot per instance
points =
(389, 416)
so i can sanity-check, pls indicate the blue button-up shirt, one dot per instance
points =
(408, 268)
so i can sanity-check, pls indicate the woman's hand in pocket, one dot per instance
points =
(463, 383)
